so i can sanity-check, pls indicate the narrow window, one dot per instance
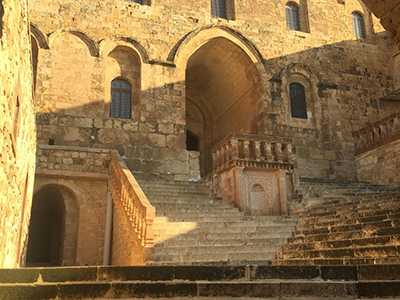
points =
(138, 1)
(292, 16)
(218, 9)
(121, 91)
(298, 104)
(358, 25)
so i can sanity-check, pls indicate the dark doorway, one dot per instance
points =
(46, 229)
(192, 142)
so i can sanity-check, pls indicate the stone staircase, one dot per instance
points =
(345, 223)
(201, 282)
(193, 226)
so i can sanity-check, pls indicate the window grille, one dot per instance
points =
(292, 16)
(298, 103)
(358, 25)
(121, 91)
(218, 8)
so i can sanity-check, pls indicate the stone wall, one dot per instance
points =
(378, 151)
(177, 83)
(381, 165)
(81, 175)
(17, 132)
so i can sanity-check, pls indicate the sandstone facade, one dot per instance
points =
(211, 76)
(17, 131)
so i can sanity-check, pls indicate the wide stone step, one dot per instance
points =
(349, 243)
(193, 235)
(362, 251)
(348, 219)
(367, 226)
(344, 235)
(200, 281)
(214, 249)
(184, 213)
(172, 228)
(359, 261)
(160, 221)
(223, 242)
(209, 257)
(370, 208)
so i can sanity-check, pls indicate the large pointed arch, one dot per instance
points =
(191, 42)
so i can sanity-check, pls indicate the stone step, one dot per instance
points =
(344, 235)
(361, 251)
(215, 250)
(193, 212)
(223, 242)
(367, 226)
(175, 228)
(349, 243)
(358, 261)
(161, 221)
(193, 235)
(370, 208)
(209, 257)
(348, 219)
(197, 281)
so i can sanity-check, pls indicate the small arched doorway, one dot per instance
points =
(46, 229)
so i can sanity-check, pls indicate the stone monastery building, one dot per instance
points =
(247, 96)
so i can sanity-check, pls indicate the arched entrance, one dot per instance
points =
(46, 229)
(223, 95)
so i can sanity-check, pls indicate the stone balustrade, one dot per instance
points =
(377, 134)
(137, 220)
(249, 150)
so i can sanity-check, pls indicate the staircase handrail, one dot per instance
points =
(126, 191)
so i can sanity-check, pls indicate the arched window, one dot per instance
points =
(218, 8)
(358, 25)
(121, 91)
(298, 104)
(292, 16)
(138, 1)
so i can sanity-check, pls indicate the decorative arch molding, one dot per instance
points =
(191, 42)
(85, 37)
(63, 185)
(39, 36)
(107, 45)
(298, 68)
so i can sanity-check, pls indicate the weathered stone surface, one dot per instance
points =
(17, 131)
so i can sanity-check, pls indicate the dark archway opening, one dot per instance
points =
(192, 142)
(223, 95)
(46, 229)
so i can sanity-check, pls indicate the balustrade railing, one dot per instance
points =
(249, 150)
(377, 133)
(126, 192)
